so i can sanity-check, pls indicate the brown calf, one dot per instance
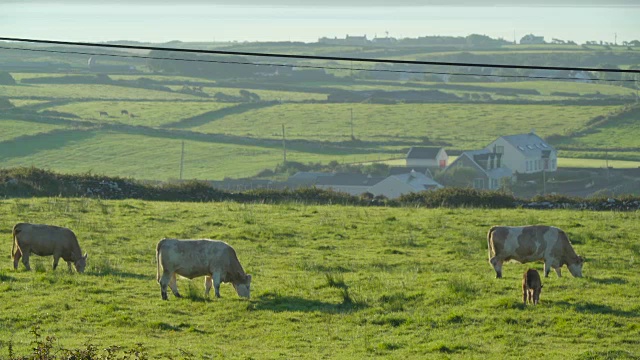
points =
(531, 287)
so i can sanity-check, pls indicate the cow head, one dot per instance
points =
(575, 268)
(243, 288)
(81, 263)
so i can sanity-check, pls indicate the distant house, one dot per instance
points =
(432, 157)
(349, 40)
(356, 40)
(353, 184)
(384, 40)
(488, 167)
(396, 185)
(525, 153)
(305, 178)
(531, 39)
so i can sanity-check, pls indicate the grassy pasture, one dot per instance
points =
(445, 122)
(624, 132)
(546, 87)
(150, 157)
(147, 113)
(83, 91)
(329, 282)
(265, 95)
(11, 129)
(19, 103)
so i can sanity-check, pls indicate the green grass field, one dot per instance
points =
(386, 123)
(12, 129)
(146, 113)
(97, 92)
(323, 130)
(328, 282)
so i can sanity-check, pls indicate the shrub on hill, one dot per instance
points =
(5, 104)
(6, 78)
(33, 182)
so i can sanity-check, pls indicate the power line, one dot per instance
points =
(315, 66)
(314, 57)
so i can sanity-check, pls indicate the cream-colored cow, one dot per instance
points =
(532, 243)
(214, 259)
(46, 240)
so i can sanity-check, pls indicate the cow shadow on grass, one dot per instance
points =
(608, 281)
(282, 303)
(118, 273)
(589, 307)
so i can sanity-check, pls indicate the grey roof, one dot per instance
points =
(417, 180)
(528, 143)
(422, 152)
(304, 177)
(398, 170)
(499, 173)
(349, 180)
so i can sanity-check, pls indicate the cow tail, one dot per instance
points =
(158, 259)
(14, 233)
(489, 241)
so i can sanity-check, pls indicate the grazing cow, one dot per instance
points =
(104, 113)
(46, 240)
(533, 243)
(531, 287)
(124, 112)
(213, 259)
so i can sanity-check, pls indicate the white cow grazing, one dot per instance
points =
(46, 240)
(213, 259)
(533, 243)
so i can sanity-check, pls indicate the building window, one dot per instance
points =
(478, 183)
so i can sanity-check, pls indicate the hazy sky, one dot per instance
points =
(191, 20)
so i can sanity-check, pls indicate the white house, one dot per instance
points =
(525, 153)
(433, 157)
(532, 39)
(396, 185)
(489, 171)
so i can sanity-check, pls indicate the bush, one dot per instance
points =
(6, 78)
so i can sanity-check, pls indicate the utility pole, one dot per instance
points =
(181, 160)
(284, 145)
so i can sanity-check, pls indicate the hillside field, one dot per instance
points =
(58, 126)
(333, 282)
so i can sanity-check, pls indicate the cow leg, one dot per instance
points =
(530, 292)
(164, 282)
(207, 285)
(56, 258)
(547, 269)
(558, 271)
(69, 266)
(16, 259)
(497, 265)
(174, 286)
(25, 260)
(216, 283)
